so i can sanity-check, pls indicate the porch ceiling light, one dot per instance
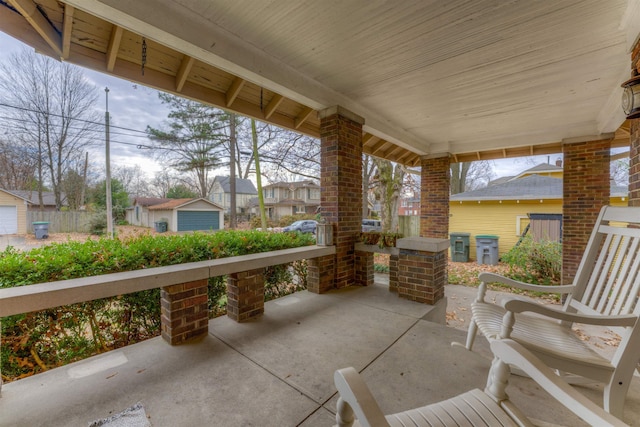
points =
(631, 98)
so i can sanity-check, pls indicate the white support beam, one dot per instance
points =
(30, 12)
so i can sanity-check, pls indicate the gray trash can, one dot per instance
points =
(459, 247)
(41, 229)
(487, 249)
(160, 226)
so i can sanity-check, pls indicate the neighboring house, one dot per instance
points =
(507, 208)
(409, 206)
(188, 215)
(290, 198)
(138, 214)
(48, 199)
(13, 213)
(221, 193)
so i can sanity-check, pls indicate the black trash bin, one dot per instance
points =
(161, 226)
(41, 229)
(487, 249)
(459, 247)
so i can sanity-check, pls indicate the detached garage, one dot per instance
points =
(13, 213)
(188, 215)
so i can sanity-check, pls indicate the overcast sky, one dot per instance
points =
(134, 107)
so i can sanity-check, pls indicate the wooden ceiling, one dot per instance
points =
(59, 30)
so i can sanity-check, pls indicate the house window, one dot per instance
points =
(137, 213)
(300, 209)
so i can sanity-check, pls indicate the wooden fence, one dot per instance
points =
(61, 222)
(409, 226)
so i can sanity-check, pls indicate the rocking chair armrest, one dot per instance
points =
(515, 305)
(487, 277)
(354, 391)
(510, 352)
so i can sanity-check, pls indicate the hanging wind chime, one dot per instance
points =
(144, 54)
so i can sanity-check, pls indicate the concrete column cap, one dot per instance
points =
(425, 244)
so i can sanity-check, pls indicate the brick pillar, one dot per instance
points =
(586, 188)
(364, 268)
(321, 274)
(422, 275)
(434, 197)
(245, 294)
(185, 312)
(393, 273)
(341, 185)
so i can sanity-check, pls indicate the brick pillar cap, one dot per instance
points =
(425, 244)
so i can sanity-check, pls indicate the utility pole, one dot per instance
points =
(108, 156)
(254, 137)
(232, 173)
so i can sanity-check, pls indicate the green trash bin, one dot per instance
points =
(459, 247)
(160, 226)
(487, 249)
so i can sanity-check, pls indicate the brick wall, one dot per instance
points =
(422, 275)
(321, 274)
(586, 188)
(341, 184)
(245, 294)
(364, 268)
(434, 206)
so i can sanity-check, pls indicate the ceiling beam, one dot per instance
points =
(183, 72)
(114, 46)
(32, 14)
(302, 117)
(273, 106)
(67, 26)
(234, 90)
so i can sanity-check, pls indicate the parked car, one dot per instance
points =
(371, 225)
(303, 226)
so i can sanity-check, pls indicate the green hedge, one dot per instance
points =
(34, 342)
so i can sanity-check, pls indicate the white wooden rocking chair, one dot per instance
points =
(490, 407)
(604, 293)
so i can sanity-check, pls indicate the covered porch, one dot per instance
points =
(278, 369)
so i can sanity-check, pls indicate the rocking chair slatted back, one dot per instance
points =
(613, 278)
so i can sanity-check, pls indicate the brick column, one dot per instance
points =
(321, 274)
(393, 273)
(364, 268)
(422, 269)
(586, 188)
(185, 312)
(341, 185)
(434, 197)
(245, 294)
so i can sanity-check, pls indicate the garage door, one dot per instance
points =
(8, 219)
(198, 220)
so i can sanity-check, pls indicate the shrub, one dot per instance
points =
(535, 262)
(34, 342)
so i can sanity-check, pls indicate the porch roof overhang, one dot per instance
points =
(478, 80)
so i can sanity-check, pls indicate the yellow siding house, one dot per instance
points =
(13, 213)
(503, 209)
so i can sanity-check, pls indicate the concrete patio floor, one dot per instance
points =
(278, 370)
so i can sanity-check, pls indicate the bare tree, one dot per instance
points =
(55, 107)
(163, 182)
(133, 179)
(17, 166)
(389, 180)
(467, 176)
(368, 171)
